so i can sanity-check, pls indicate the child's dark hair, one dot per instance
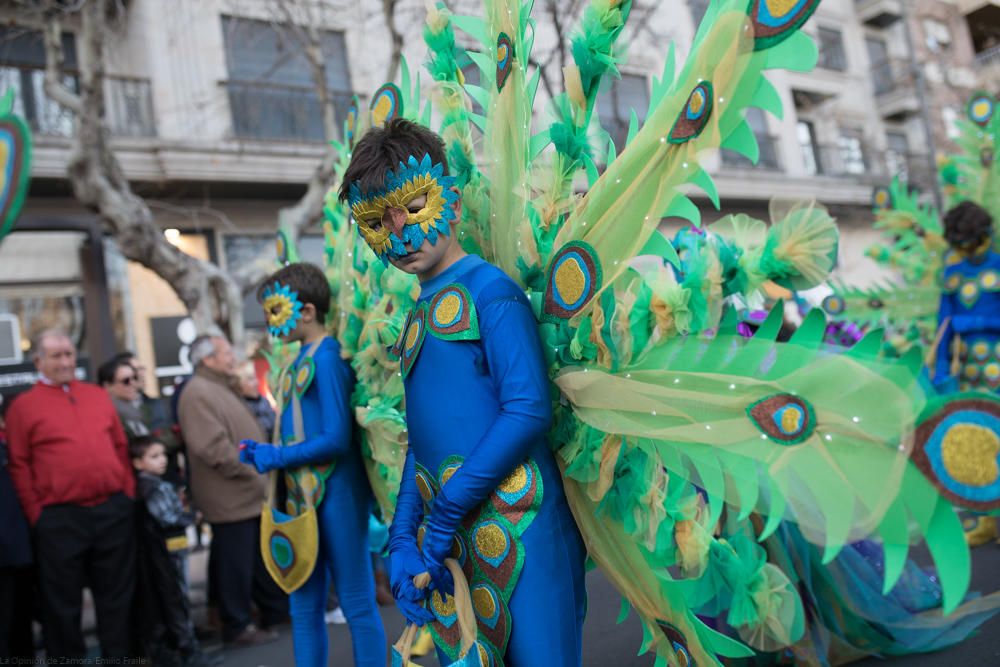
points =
(967, 225)
(383, 148)
(140, 444)
(308, 280)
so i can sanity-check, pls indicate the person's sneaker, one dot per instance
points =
(253, 636)
(200, 659)
(335, 617)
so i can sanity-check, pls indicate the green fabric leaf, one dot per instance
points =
(743, 141)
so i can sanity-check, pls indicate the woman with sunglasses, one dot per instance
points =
(119, 379)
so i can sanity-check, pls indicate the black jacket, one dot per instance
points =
(15, 539)
(164, 610)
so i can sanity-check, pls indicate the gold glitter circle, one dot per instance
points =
(484, 603)
(447, 309)
(491, 541)
(448, 472)
(515, 481)
(779, 8)
(570, 280)
(412, 334)
(791, 420)
(425, 489)
(969, 453)
(443, 608)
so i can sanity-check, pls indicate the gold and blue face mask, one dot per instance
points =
(384, 219)
(282, 308)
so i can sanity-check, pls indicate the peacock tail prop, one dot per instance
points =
(666, 418)
(15, 161)
(973, 174)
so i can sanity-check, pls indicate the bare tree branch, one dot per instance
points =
(396, 38)
(99, 182)
(52, 32)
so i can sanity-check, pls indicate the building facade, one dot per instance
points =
(215, 121)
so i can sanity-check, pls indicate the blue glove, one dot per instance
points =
(262, 456)
(404, 564)
(436, 547)
(247, 448)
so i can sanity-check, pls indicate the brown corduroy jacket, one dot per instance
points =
(213, 420)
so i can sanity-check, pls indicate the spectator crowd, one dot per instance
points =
(103, 487)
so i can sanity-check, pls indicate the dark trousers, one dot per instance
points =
(16, 612)
(80, 546)
(238, 577)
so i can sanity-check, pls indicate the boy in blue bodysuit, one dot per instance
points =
(967, 357)
(324, 470)
(480, 482)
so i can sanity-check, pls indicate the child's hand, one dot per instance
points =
(247, 448)
(268, 457)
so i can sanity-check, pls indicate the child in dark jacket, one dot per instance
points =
(164, 611)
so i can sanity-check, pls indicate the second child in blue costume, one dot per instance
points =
(967, 357)
(480, 482)
(324, 469)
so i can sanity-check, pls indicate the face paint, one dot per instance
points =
(282, 309)
(384, 219)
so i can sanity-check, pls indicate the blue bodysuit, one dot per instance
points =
(342, 514)
(971, 299)
(478, 466)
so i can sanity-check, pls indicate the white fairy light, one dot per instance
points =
(708, 427)
(732, 386)
(856, 419)
(828, 437)
(763, 436)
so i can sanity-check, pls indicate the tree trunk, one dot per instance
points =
(211, 297)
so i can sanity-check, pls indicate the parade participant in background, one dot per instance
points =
(967, 355)
(213, 419)
(320, 464)
(164, 609)
(70, 466)
(489, 372)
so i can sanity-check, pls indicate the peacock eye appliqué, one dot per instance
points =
(785, 418)
(386, 104)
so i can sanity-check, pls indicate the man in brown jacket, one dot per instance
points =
(213, 420)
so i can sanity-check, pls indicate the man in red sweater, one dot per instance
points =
(70, 468)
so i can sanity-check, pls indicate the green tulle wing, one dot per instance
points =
(700, 107)
(444, 63)
(785, 430)
(506, 93)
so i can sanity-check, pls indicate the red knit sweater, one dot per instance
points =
(66, 446)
